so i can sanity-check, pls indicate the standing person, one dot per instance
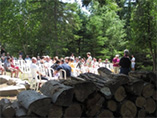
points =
(72, 56)
(125, 63)
(89, 60)
(133, 63)
(115, 62)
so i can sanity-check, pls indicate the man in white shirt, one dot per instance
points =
(35, 70)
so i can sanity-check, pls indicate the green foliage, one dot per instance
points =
(51, 27)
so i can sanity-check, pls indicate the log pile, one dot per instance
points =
(89, 95)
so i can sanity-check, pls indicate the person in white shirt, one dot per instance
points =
(35, 70)
(133, 63)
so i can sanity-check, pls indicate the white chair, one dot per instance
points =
(50, 72)
(61, 71)
(35, 82)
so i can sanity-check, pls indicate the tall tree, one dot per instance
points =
(144, 28)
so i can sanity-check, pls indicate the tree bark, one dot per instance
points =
(34, 102)
(82, 89)
(61, 94)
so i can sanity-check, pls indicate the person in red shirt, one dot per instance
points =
(115, 62)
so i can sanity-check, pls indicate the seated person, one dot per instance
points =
(65, 67)
(13, 66)
(7, 66)
(35, 70)
(1, 69)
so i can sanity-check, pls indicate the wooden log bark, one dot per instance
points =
(61, 94)
(106, 92)
(140, 102)
(106, 114)
(6, 108)
(112, 105)
(150, 106)
(116, 82)
(128, 109)
(55, 112)
(94, 104)
(82, 89)
(147, 76)
(73, 110)
(135, 87)
(34, 102)
(153, 78)
(96, 79)
(104, 72)
(20, 111)
(143, 75)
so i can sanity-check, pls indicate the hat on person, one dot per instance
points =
(126, 52)
(88, 53)
(34, 58)
(117, 55)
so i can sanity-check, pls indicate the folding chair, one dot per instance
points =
(61, 71)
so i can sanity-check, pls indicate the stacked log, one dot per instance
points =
(90, 95)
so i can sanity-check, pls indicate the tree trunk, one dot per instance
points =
(61, 94)
(34, 102)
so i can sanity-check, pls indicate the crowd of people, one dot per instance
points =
(72, 65)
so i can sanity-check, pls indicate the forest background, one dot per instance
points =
(53, 27)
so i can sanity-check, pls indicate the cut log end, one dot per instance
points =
(140, 101)
(120, 94)
(128, 109)
(112, 105)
